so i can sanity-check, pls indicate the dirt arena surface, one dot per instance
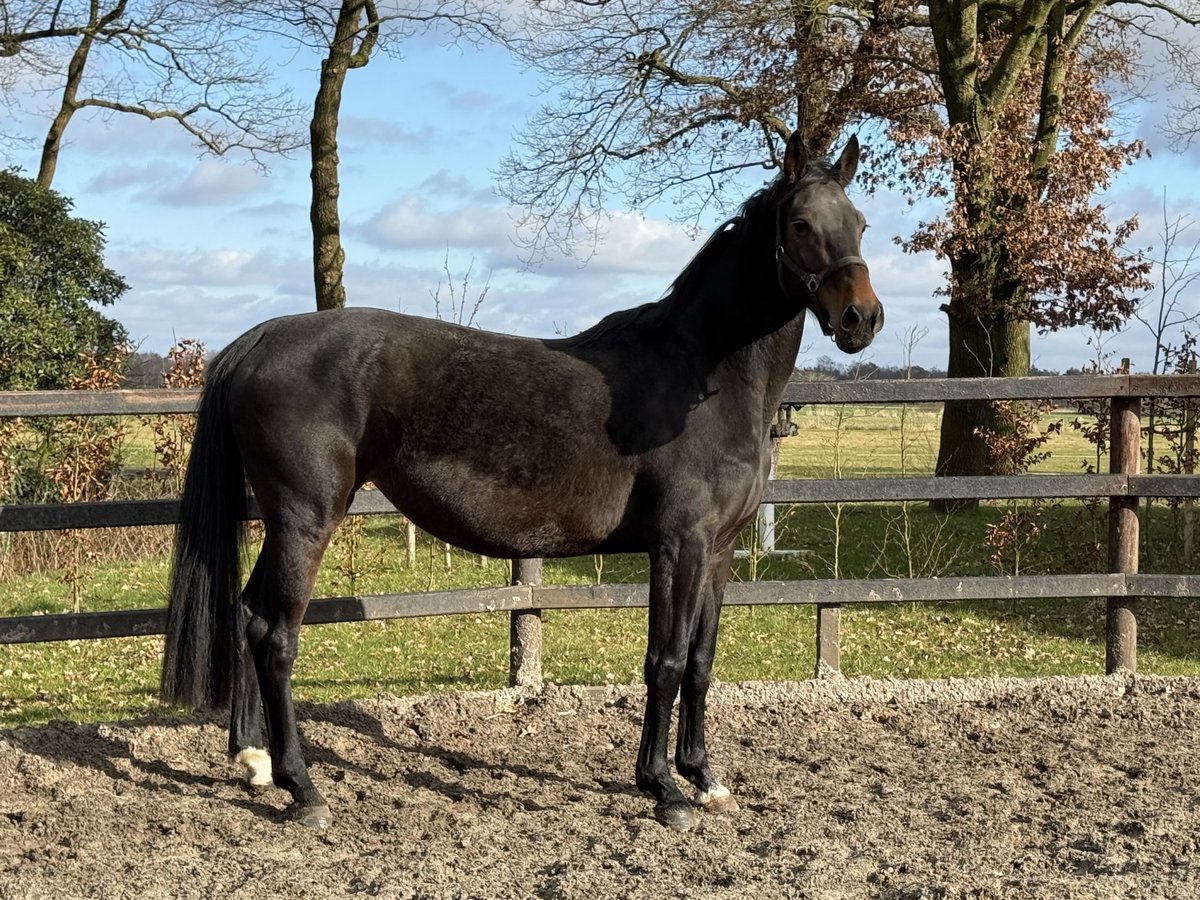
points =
(1056, 788)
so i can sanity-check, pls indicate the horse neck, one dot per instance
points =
(743, 328)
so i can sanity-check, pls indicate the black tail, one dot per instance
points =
(206, 572)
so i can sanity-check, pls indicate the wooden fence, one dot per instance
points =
(527, 596)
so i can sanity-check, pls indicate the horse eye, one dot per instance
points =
(801, 226)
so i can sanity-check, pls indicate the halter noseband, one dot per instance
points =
(812, 280)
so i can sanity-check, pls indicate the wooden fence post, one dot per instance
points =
(1188, 526)
(525, 631)
(829, 639)
(782, 427)
(1123, 529)
(766, 511)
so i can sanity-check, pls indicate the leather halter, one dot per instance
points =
(811, 280)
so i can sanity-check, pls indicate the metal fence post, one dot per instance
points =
(525, 631)
(782, 427)
(1123, 529)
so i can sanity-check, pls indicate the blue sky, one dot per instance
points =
(212, 246)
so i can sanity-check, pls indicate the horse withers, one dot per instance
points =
(649, 432)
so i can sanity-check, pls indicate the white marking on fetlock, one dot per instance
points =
(716, 792)
(258, 766)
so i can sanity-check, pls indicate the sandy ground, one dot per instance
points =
(1056, 788)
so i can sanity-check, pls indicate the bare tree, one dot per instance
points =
(1173, 307)
(461, 307)
(1171, 314)
(179, 60)
(347, 35)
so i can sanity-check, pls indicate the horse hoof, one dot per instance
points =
(257, 790)
(718, 800)
(727, 804)
(678, 815)
(316, 815)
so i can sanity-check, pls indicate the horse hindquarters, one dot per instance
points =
(301, 469)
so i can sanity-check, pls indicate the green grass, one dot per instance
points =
(92, 680)
(865, 440)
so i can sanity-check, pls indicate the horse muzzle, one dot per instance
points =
(859, 324)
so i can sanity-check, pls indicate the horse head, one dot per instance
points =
(817, 246)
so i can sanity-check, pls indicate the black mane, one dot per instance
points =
(740, 231)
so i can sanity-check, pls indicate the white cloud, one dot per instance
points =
(211, 183)
(632, 243)
(120, 135)
(144, 176)
(412, 223)
(445, 183)
(357, 131)
(157, 319)
(150, 267)
(638, 244)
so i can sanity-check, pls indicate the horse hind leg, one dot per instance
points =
(246, 744)
(290, 557)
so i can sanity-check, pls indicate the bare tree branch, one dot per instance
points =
(671, 100)
(180, 60)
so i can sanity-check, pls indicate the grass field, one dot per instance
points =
(117, 678)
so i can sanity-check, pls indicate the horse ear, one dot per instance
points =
(847, 163)
(795, 157)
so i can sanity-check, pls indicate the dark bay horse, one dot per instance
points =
(649, 432)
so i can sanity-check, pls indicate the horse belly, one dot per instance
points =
(493, 513)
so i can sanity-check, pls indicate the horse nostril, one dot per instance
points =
(877, 320)
(851, 318)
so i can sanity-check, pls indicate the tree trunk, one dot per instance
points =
(53, 143)
(70, 97)
(328, 256)
(817, 128)
(991, 344)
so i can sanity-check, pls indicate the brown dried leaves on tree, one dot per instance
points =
(1072, 265)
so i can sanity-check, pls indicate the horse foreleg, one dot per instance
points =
(676, 583)
(691, 755)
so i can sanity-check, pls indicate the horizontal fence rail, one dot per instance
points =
(1122, 487)
(1037, 387)
(799, 392)
(98, 403)
(134, 623)
(124, 513)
